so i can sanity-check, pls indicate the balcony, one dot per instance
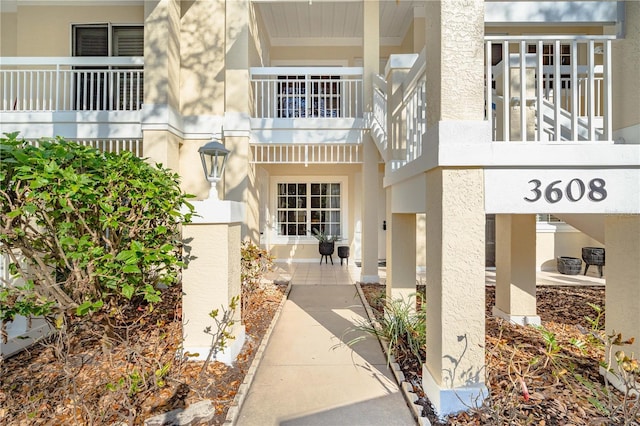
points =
(557, 88)
(76, 97)
(307, 115)
(549, 89)
(307, 92)
(71, 84)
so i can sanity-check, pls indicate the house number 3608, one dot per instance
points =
(575, 190)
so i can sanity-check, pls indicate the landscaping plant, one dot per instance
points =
(402, 327)
(85, 230)
(254, 263)
(93, 244)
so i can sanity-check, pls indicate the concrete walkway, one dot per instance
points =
(308, 375)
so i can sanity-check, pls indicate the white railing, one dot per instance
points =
(379, 118)
(325, 153)
(115, 146)
(71, 83)
(570, 102)
(563, 84)
(408, 109)
(307, 92)
(415, 118)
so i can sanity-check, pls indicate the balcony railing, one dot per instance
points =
(407, 107)
(565, 82)
(549, 88)
(325, 153)
(379, 118)
(307, 92)
(71, 84)
(116, 146)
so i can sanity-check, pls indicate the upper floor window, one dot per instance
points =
(108, 40)
(99, 88)
(548, 58)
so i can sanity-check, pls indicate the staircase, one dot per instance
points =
(583, 132)
(590, 224)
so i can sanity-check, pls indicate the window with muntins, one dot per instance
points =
(303, 207)
(548, 55)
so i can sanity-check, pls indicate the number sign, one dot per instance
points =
(607, 191)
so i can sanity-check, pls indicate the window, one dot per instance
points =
(549, 218)
(303, 207)
(548, 59)
(110, 88)
(95, 39)
(308, 96)
(548, 53)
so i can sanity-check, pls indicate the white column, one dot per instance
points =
(516, 269)
(370, 188)
(401, 259)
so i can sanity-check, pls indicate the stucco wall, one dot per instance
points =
(550, 245)
(259, 43)
(202, 53)
(626, 90)
(192, 178)
(8, 30)
(46, 31)
(531, 30)
(321, 54)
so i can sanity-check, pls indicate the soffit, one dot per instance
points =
(333, 23)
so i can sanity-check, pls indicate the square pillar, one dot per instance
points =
(516, 269)
(454, 371)
(370, 160)
(212, 277)
(401, 259)
(622, 297)
(370, 189)
(161, 86)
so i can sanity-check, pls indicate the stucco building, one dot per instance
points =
(449, 136)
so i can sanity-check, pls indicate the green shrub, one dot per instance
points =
(86, 230)
(402, 327)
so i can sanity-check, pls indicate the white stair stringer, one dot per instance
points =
(590, 224)
(548, 114)
(380, 137)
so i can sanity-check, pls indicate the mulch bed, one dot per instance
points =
(549, 363)
(92, 386)
(119, 382)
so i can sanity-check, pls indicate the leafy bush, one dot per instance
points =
(86, 230)
(254, 262)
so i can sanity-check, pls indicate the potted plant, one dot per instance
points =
(326, 243)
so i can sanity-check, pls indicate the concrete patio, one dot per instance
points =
(336, 274)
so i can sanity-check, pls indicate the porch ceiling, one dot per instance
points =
(326, 22)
